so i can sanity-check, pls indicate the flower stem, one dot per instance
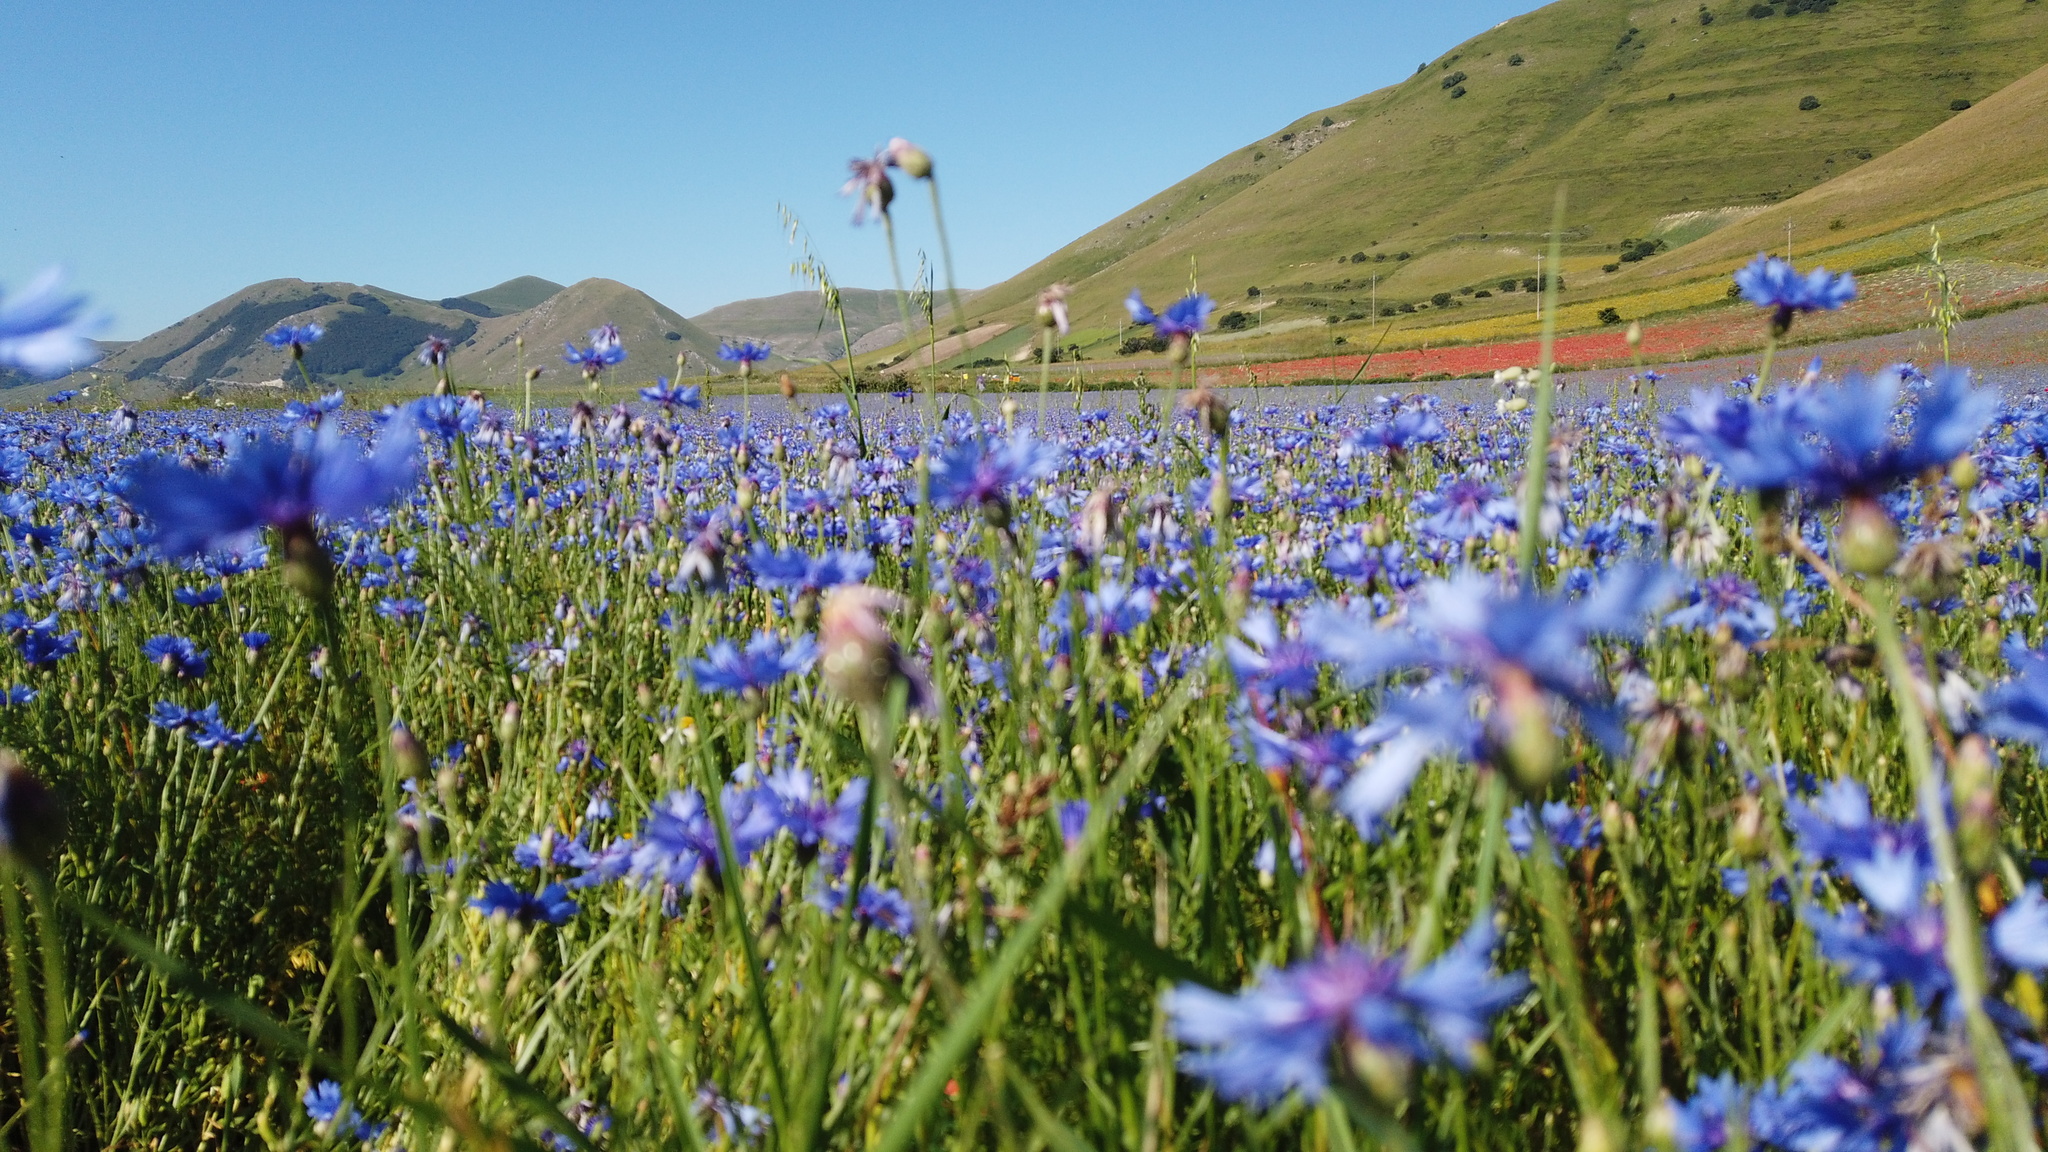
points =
(1537, 467)
(2006, 1110)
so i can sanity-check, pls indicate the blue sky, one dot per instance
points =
(169, 154)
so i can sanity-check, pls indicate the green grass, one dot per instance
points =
(1464, 185)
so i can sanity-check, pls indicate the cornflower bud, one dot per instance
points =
(1963, 473)
(1868, 539)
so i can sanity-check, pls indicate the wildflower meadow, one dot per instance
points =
(1156, 770)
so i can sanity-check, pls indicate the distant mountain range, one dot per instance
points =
(373, 335)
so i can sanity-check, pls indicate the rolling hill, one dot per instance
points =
(797, 324)
(1667, 120)
(372, 335)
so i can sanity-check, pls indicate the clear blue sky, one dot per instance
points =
(171, 153)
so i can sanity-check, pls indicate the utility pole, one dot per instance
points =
(1375, 296)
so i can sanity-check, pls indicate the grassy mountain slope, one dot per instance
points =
(1982, 175)
(653, 333)
(1643, 110)
(797, 324)
(373, 333)
(515, 295)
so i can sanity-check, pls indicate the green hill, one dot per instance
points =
(373, 334)
(796, 323)
(1667, 120)
(514, 295)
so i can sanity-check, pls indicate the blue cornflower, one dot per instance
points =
(42, 645)
(1182, 319)
(170, 716)
(885, 908)
(268, 483)
(1769, 282)
(1523, 649)
(448, 417)
(1701, 1124)
(672, 396)
(2020, 934)
(61, 397)
(766, 659)
(19, 694)
(1113, 609)
(1271, 665)
(746, 353)
(808, 817)
(1281, 1034)
(2017, 709)
(175, 655)
(402, 610)
(1325, 759)
(434, 353)
(1465, 508)
(255, 641)
(294, 336)
(978, 472)
(1726, 598)
(313, 411)
(551, 905)
(795, 570)
(205, 597)
(45, 331)
(323, 1101)
(1850, 426)
(1073, 817)
(1825, 1103)
(1566, 827)
(208, 730)
(594, 360)
(1410, 426)
(1903, 949)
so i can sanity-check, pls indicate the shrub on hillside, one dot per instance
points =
(1808, 103)
(1233, 322)
(1610, 316)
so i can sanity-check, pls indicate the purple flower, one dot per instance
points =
(44, 330)
(176, 655)
(979, 472)
(1281, 1034)
(434, 353)
(808, 817)
(1769, 282)
(551, 905)
(746, 353)
(1726, 599)
(268, 483)
(1565, 826)
(1182, 319)
(869, 180)
(1465, 508)
(294, 336)
(1073, 816)
(2017, 709)
(2020, 934)
(766, 659)
(594, 360)
(797, 571)
(672, 396)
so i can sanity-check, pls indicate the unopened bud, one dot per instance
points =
(914, 162)
(1746, 834)
(406, 754)
(1531, 740)
(1868, 540)
(1635, 334)
(788, 385)
(508, 725)
(1964, 473)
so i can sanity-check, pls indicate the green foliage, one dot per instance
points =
(1808, 103)
(375, 343)
(1610, 316)
(1233, 322)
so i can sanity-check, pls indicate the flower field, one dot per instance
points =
(1193, 773)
